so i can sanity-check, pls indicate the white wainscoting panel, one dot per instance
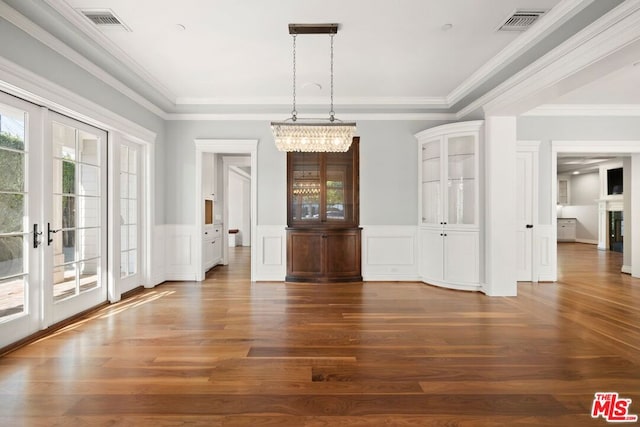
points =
(272, 253)
(157, 250)
(180, 252)
(546, 246)
(390, 253)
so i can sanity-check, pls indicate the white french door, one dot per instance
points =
(52, 218)
(20, 194)
(130, 168)
(75, 222)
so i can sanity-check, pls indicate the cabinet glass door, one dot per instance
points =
(305, 191)
(461, 180)
(431, 184)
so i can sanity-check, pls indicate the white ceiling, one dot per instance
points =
(235, 51)
(229, 56)
(620, 87)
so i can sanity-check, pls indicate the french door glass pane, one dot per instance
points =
(11, 170)
(88, 243)
(13, 213)
(64, 282)
(89, 148)
(11, 256)
(89, 184)
(64, 141)
(88, 211)
(89, 272)
(12, 296)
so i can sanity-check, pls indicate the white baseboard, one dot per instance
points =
(587, 241)
(626, 269)
(391, 278)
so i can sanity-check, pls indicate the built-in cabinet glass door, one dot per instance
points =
(76, 234)
(461, 180)
(305, 194)
(431, 184)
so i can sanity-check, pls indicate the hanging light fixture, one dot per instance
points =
(294, 134)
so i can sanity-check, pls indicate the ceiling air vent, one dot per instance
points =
(105, 18)
(521, 20)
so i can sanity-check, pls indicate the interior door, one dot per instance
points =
(75, 213)
(20, 267)
(524, 211)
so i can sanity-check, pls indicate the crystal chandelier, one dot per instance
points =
(317, 136)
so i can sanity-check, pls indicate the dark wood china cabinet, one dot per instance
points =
(323, 233)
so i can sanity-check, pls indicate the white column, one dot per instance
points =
(500, 212)
(634, 215)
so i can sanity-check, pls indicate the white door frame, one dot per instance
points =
(534, 148)
(622, 148)
(225, 146)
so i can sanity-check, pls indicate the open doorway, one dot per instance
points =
(237, 206)
(221, 149)
(586, 210)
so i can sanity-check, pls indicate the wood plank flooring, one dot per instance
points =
(228, 352)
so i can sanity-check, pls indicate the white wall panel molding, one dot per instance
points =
(390, 253)
(158, 256)
(180, 252)
(547, 246)
(271, 253)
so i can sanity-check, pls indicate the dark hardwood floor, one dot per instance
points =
(228, 352)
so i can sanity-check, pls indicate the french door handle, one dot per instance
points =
(49, 233)
(529, 225)
(36, 234)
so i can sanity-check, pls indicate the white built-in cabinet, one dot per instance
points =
(448, 197)
(208, 176)
(212, 242)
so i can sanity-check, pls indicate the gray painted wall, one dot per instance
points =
(583, 205)
(388, 169)
(547, 129)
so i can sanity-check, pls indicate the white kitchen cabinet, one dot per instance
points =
(208, 176)
(449, 204)
(212, 245)
(567, 229)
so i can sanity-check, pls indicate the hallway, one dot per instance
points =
(228, 352)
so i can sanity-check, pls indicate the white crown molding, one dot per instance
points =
(27, 85)
(585, 110)
(280, 100)
(38, 33)
(76, 18)
(278, 116)
(548, 22)
(612, 32)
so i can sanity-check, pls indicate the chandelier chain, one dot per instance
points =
(294, 113)
(331, 112)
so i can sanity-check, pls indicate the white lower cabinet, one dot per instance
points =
(450, 258)
(212, 246)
